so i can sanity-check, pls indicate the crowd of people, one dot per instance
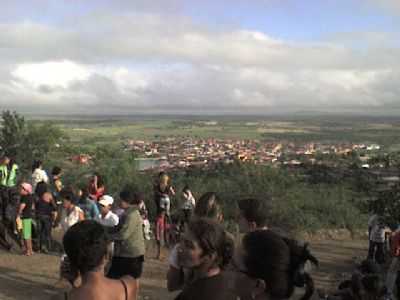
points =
(103, 246)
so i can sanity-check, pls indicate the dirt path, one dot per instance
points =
(35, 277)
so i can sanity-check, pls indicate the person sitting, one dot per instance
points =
(276, 265)
(205, 250)
(87, 248)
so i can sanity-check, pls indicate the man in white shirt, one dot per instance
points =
(107, 217)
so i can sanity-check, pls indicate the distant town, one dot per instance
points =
(187, 152)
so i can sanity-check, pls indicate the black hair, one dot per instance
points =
(212, 239)
(279, 262)
(85, 244)
(255, 210)
(36, 164)
(41, 188)
(185, 188)
(138, 197)
(127, 195)
(207, 206)
(56, 171)
(68, 194)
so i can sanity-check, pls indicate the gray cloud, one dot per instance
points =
(162, 60)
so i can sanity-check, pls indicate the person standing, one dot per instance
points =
(3, 185)
(38, 174)
(96, 187)
(189, 202)
(46, 214)
(25, 214)
(129, 248)
(71, 213)
(107, 217)
(89, 207)
(56, 184)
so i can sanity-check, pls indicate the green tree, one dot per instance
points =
(25, 140)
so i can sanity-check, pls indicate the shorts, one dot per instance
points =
(122, 266)
(27, 229)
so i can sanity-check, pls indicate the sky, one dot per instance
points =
(221, 56)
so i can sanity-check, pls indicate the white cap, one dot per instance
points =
(106, 200)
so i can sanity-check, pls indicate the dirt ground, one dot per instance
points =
(36, 277)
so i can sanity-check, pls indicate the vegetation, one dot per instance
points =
(315, 197)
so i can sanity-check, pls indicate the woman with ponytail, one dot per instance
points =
(205, 250)
(277, 264)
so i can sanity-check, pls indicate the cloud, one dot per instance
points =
(118, 62)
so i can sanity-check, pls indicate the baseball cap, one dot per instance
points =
(106, 200)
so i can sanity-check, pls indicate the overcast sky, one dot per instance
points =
(127, 56)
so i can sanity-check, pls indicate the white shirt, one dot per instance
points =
(68, 220)
(39, 175)
(109, 220)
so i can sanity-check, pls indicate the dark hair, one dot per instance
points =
(36, 164)
(100, 180)
(56, 171)
(212, 238)
(185, 188)
(279, 262)
(85, 244)
(207, 206)
(138, 197)
(127, 195)
(68, 194)
(41, 188)
(255, 210)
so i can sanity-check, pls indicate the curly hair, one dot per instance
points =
(86, 244)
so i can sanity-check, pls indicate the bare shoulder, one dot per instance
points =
(132, 284)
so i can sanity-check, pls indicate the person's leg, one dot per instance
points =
(136, 267)
(371, 250)
(27, 235)
(40, 229)
(380, 255)
(391, 277)
(48, 233)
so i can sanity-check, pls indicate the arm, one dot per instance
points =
(21, 208)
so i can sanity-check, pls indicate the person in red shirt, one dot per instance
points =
(395, 265)
(96, 187)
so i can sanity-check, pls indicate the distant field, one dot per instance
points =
(384, 131)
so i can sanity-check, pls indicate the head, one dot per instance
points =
(37, 164)
(47, 197)
(186, 189)
(277, 262)
(41, 188)
(68, 198)
(138, 198)
(5, 160)
(163, 178)
(56, 172)
(25, 189)
(252, 214)
(106, 203)
(207, 207)
(87, 247)
(205, 245)
(127, 197)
